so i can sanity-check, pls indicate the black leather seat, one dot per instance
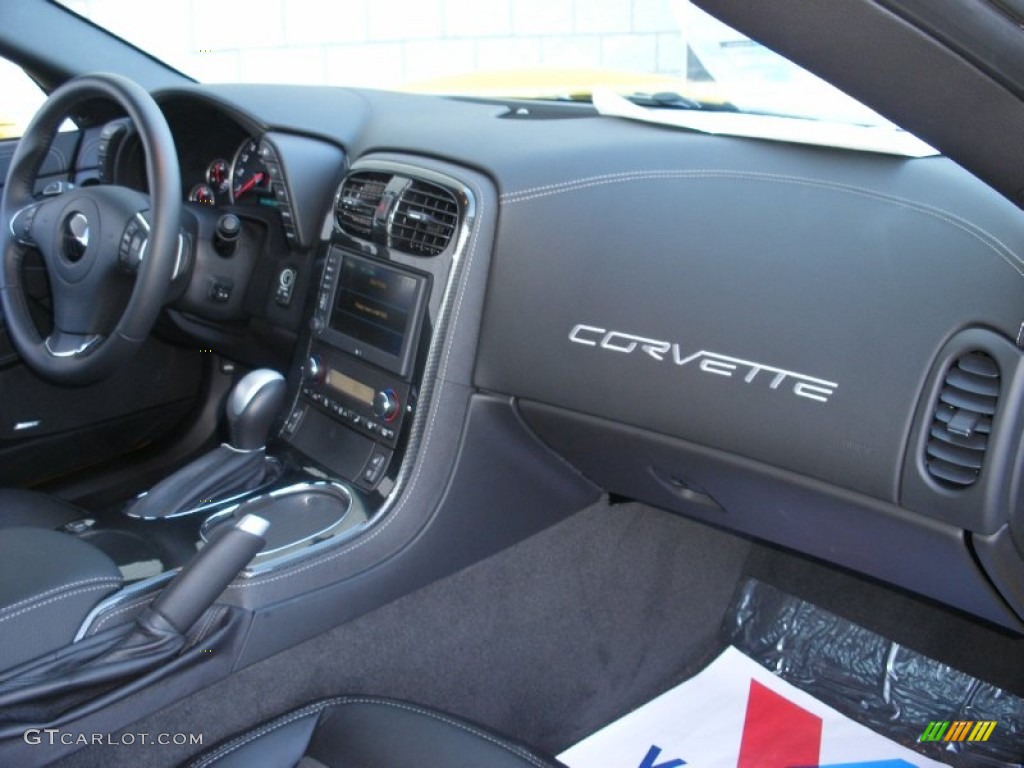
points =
(49, 581)
(38, 510)
(368, 732)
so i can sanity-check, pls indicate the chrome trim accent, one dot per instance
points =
(219, 502)
(14, 218)
(178, 259)
(122, 596)
(81, 349)
(23, 425)
(76, 226)
(304, 487)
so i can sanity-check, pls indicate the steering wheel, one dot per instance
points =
(110, 252)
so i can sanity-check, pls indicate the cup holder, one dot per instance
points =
(299, 515)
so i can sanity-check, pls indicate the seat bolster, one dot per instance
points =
(51, 582)
(30, 508)
(370, 731)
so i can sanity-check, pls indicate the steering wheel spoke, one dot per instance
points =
(64, 345)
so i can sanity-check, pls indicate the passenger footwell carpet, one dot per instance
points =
(801, 687)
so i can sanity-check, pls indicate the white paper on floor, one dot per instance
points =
(737, 714)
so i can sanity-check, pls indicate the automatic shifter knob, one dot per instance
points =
(253, 406)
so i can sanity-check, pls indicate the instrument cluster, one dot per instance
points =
(243, 179)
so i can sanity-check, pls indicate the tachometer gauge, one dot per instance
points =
(248, 174)
(201, 193)
(217, 175)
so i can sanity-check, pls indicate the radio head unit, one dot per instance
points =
(372, 310)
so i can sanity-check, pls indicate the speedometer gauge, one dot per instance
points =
(248, 174)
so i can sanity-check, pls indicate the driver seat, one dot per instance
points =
(49, 579)
(34, 509)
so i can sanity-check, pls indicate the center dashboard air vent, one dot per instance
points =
(358, 199)
(962, 424)
(425, 219)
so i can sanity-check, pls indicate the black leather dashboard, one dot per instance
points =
(792, 311)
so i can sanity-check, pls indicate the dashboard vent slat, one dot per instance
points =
(357, 202)
(425, 219)
(962, 421)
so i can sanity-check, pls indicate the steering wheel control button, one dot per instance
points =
(55, 188)
(21, 224)
(285, 286)
(130, 249)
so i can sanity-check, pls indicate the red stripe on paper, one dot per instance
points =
(777, 733)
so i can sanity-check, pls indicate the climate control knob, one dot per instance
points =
(386, 405)
(313, 370)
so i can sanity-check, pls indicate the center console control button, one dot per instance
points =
(375, 466)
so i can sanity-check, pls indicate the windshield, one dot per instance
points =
(504, 48)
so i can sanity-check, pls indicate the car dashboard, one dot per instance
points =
(814, 347)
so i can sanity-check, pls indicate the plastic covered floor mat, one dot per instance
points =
(802, 688)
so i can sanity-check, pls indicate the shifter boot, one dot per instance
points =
(221, 472)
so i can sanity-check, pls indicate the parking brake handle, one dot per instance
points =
(203, 578)
(90, 667)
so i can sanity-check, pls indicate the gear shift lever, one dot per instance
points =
(252, 408)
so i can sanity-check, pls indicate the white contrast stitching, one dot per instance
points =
(94, 629)
(55, 599)
(41, 595)
(429, 434)
(979, 233)
(198, 638)
(270, 727)
(1020, 336)
(319, 707)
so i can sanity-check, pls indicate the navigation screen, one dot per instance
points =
(374, 303)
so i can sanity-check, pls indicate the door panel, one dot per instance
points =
(47, 431)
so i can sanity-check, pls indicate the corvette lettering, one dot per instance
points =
(801, 384)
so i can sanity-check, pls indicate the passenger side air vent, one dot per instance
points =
(357, 202)
(424, 220)
(962, 425)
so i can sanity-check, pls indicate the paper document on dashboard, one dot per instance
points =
(823, 133)
(737, 713)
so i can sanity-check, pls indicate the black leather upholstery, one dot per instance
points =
(366, 732)
(30, 508)
(220, 473)
(50, 581)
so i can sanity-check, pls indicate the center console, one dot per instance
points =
(359, 373)
(387, 264)
(366, 367)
